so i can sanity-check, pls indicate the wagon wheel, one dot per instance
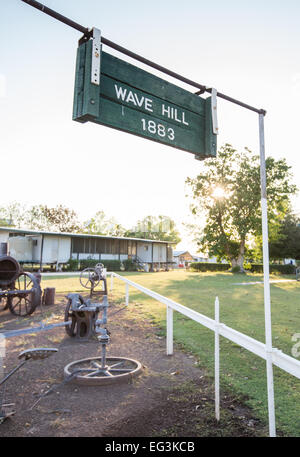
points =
(91, 373)
(70, 316)
(25, 302)
(89, 278)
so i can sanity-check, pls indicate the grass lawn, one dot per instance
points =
(242, 308)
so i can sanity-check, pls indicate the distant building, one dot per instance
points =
(182, 258)
(30, 246)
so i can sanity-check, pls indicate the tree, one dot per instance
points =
(12, 215)
(287, 244)
(101, 225)
(58, 219)
(155, 228)
(35, 218)
(61, 219)
(227, 195)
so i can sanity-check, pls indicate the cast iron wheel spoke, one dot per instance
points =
(120, 370)
(116, 364)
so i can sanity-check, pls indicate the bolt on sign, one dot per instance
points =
(130, 99)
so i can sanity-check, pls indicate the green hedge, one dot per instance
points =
(287, 269)
(205, 266)
(110, 265)
(129, 265)
(254, 268)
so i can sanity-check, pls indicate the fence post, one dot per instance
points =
(111, 282)
(126, 294)
(217, 359)
(169, 330)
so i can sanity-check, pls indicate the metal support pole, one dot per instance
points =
(217, 359)
(12, 372)
(267, 296)
(126, 294)
(88, 33)
(169, 330)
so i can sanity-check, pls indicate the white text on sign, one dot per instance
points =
(131, 97)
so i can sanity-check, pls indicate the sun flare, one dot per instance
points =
(219, 192)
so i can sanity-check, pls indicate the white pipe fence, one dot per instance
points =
(277, 357)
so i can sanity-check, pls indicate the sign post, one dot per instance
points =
(267, 295)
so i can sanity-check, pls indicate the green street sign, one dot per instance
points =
(135, 101)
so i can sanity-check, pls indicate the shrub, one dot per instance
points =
(72, 265)
(110, 265)
(205, 266)
(236, 269)
(129, 265)
(279, 269)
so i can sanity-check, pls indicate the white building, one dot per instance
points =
(29, 246)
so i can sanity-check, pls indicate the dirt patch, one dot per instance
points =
(172, 396)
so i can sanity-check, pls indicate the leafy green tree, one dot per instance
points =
(35, 218)
(287, 244)
(58, 219)
(226, 194)
(155, 228)
(101, 225)
(12, 215)
(61, 219)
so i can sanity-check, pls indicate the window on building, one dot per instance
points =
(100, 246)
(123, 246)
(78, 245)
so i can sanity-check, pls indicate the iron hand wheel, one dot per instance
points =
(89, 278)
(90, 372)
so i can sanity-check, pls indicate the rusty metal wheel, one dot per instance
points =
(89, 278)
(25, 296)
(92, 373)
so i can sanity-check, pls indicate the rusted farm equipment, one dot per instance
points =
(20, 291)
(85, 323)
(90, 278)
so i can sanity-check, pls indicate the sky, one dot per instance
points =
(248, 50)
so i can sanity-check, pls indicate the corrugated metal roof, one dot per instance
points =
(177, 253)
(74, 235)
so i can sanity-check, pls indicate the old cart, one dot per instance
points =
(19, 291)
